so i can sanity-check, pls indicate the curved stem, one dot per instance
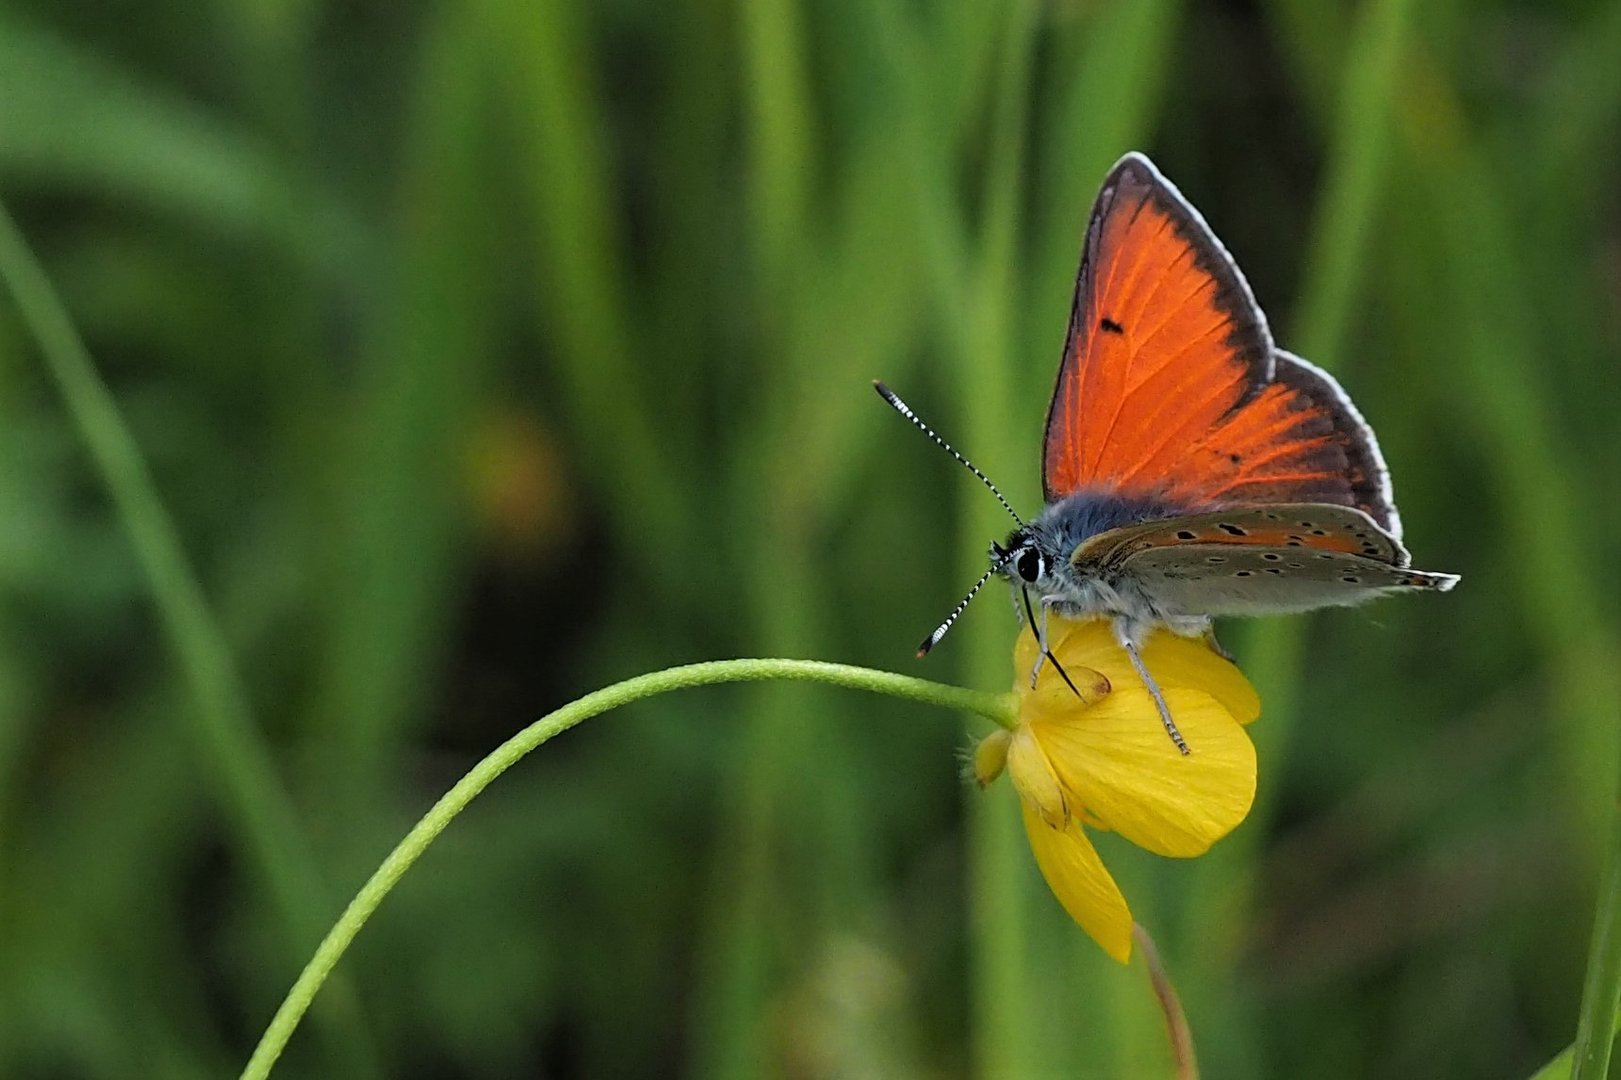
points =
(1176, 1021)
(997, 707)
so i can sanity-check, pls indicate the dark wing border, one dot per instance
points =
(1368, 474)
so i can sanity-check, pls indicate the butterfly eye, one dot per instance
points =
(1030, 565)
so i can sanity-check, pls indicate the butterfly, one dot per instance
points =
(1191, 468)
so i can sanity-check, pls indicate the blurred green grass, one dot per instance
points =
(484, 353)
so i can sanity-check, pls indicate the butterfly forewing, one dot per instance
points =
(1164, 337)
(1170, 386)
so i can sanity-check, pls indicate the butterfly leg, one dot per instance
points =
(1039, 628)
(1123, 634)
(1044, 652)
(1214, 645)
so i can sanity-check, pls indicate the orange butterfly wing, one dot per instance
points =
(1170, 387)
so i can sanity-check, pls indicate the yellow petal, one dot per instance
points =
(1173, 660)
(1034, 779)
(1119, 764)
(1053, 694)
(1078, 878)
(1051, 691)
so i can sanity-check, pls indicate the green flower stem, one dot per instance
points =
(1176, 1021)
(996, 707)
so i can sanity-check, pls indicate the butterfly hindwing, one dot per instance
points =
(1298, 440)
(1320, 526)
(1237, 579)
(1258, 560)
(1170, 386)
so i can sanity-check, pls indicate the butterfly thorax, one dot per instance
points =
(1039, 557)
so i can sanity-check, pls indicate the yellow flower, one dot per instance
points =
(1104, 760)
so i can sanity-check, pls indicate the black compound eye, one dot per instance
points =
(1029, 564)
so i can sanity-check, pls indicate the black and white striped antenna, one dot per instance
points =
(1002, 557)
(940, 631)
(906, 410)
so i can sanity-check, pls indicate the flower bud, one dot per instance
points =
(990, 756)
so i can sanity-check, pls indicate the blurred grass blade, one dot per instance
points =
(855, 307)
(1004, 1006)
(1581, 113)
(1108, 96)
(395, 553)
(542, 54)
(1601, 996)
(743, 948)
(780, 124)
(1579, 117)
(229, 743)
(1542, 511)
(1338, 252)
(1336, 255)
(1273, 651)
(1560, 1067)
(1041, 995)
(1347, 211)
(1314, 37)
(74, 120)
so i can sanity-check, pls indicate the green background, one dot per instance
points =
(488, 352)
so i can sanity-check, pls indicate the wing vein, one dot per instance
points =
(1096, 459)
(1172, 432)
(1176, 309)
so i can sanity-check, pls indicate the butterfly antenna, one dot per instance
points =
(940, 631)
(906, 410)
